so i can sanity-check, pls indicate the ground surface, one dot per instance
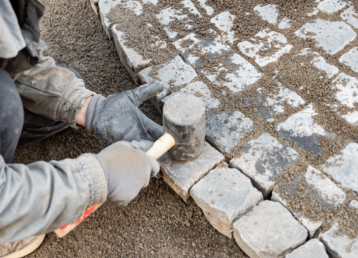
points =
(157, 223)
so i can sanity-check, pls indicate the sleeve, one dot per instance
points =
(43, 196)
(52, 91)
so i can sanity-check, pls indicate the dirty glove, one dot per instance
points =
(118, 118)
(127, 170)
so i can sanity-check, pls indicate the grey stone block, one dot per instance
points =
(182, 175)
(268, 12)
(225, 23)
(351, 16)
(225, 130)
(269, 230)
(225, 195)
(331, 6)
(303, 130)
(331, 36)
(312, 249)
(262, 159)
(285, 23)
(351, 59)
(343, 167)
(339, 245)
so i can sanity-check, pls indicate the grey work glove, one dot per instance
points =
(127, 170)
(118, 118)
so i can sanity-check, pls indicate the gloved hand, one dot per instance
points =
(118, 118)
(127, 170)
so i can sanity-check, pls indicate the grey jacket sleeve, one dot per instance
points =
(43, 196)
(52, 91)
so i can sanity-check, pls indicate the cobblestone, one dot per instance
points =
(269, 230)
(351, 59)
(209, 9)
(225, 195)
(331, 6)
(268, 12)
(312, 249)
(262, 159)
(225, 22)
(351, 16)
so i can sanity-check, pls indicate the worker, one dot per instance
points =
(39, 99)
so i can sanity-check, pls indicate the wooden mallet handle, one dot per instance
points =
(161, 146)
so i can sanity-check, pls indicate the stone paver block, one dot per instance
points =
(339, 245)
(168, 16)
(182, 175)
(268, 12)
(225, 130)
(209, 9)
(225, 23)
(303, 130)
(269, 230)
(285, 23)
(199, 46)
(265, 41)
(105, 6)
(312, 249)
(319, 187)
(225, 195)
(240, 74)
(343, 167)
(351, 59)
(331, 6)
(331, 36)
(262, 159)
(351, 16)
(354, 204)
(174, 73)
(200, 90)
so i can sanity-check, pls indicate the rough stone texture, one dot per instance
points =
(209, 9)
(268, 12)
(269, 230)
(174, 73)
(168, 15)
(182, 175)
(302, 129)
(331, 36)
(192, 54)
(225, 195)
(262, 159)
(225, 22)
(339, 245)
(224, 131)
(351, 16)
(265, 40)
(312, 249)
(319, 187)
(351, 59)
(240, 74)
(343, 167)
(331, 6)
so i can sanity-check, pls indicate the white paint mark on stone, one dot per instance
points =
(351, 16)
(331, 36)
(343, 167)
(347, 87)
(331, 6)
(351, 59)
(312, 249)
(265, 40)
(225, 195)
(268, 12)
(225, 22)
(209, 10)
(285, 23)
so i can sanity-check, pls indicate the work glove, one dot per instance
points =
(127, 170)
(118, 118)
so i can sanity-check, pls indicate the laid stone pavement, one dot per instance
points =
(253, 143)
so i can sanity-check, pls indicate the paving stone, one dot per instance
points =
(343, 167)
(240, 74)
(320, 62)
(262, 159)
(174, 73)
(312, 249)
(209, 9)
(105, 7)
(264, 41)
(351, 16)
(225, 22)
(351, 59)
(354, 204)
(303, 130)
(193, 53)
(319, 187)
(331, 6)
(268, 12)
(285, 23)
(225, 195)
(331, 36)
(200, 90)
(168, 16)
(225, 130)
(269, 230)
(182, 175)
(314, 12)
(339, 245)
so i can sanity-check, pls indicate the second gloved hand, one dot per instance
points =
(127, 170)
